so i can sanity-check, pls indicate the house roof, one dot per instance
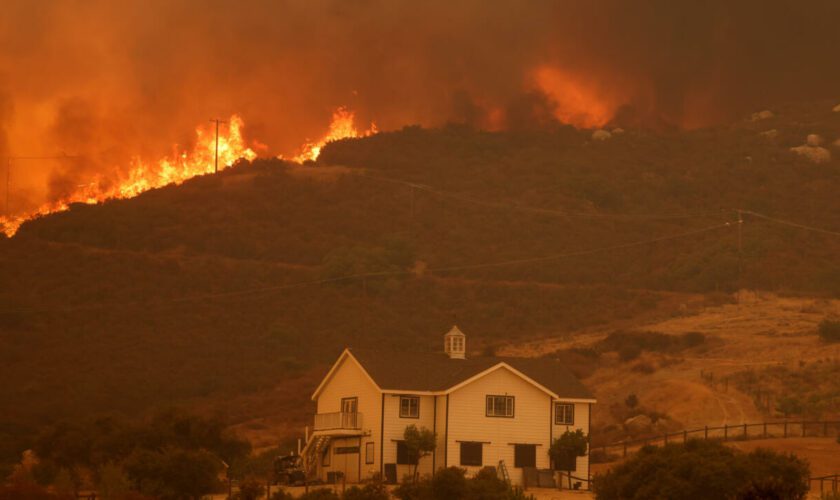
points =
(434, 372)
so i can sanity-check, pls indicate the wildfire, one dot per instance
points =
(143, 176)
(342, 126)
(579, 102)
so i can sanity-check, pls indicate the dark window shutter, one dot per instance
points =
(525, 455)
(471, 454)
(403, 457)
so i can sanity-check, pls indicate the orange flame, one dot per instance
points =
(143, 176)
(342, 126)
(579, 102)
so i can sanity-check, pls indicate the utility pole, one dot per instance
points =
(740, 252)
(217, 122)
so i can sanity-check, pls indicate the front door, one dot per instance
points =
(349, 413)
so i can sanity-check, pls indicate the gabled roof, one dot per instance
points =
(436, 372)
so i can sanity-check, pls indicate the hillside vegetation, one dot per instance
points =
(228, 293)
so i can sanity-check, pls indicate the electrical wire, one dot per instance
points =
(380, 274)
(791, 224)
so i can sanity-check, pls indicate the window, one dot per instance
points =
(349, 405)
(524, 455)
(409, 407)
(471, 454)
(369, 453)
(564, 414)
(500, 406)
(402, 455)
(325, 459)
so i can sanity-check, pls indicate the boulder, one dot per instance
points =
(770, 134)
(617, 131)
(601, 135)
(638, 424)
(814, 154)
(813, 140)
(762, 115)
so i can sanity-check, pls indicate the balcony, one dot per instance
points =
(338, 423)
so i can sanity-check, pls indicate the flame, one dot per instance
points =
(143, 176)
(342, 126)
(579, 102)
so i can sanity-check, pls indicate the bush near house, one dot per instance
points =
(452, 484)
(702, 469)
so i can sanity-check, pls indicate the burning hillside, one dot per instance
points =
(143, 175)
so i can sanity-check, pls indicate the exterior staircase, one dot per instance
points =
(312, 452)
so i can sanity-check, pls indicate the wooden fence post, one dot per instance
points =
(685, 436)
(745, 431)
(725, 431)
(706, 432)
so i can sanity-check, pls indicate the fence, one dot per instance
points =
(734, 432)
(832, 480)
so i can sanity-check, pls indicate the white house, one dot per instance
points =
(485, 411)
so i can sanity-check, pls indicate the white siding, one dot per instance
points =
(349, 381)
(581, 422)
(440, 428)
(531, 423)
(395, 427)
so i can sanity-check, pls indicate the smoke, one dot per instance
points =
(109, 80)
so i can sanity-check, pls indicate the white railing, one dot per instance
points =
(337, 421)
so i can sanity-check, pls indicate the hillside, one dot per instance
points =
(228, 293)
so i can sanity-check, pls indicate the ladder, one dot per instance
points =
(503, 472)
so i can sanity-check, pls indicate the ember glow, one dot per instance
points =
(342, 126)
(144, 175)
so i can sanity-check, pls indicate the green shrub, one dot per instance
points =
(702, 469)
(370, 491)
(829, 330)
(320, 494)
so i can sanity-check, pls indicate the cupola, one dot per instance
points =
(455, 344)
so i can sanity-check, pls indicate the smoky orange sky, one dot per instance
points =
(111, 79)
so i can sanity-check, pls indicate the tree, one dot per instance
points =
(565, 450)
(419, 443)
(174, 474)
(113, 482)
(702, 469)
(250, 489)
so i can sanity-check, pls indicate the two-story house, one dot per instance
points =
(484, 411)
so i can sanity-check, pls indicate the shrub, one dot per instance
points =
(629, 352)
(449, 483)
(829, 330)
(250, 489)
(282, 494)
(320, 494)
(370, 491)
(702, 469)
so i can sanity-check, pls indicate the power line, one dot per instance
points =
(380, 274)
(791, 224)
(534, 210)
